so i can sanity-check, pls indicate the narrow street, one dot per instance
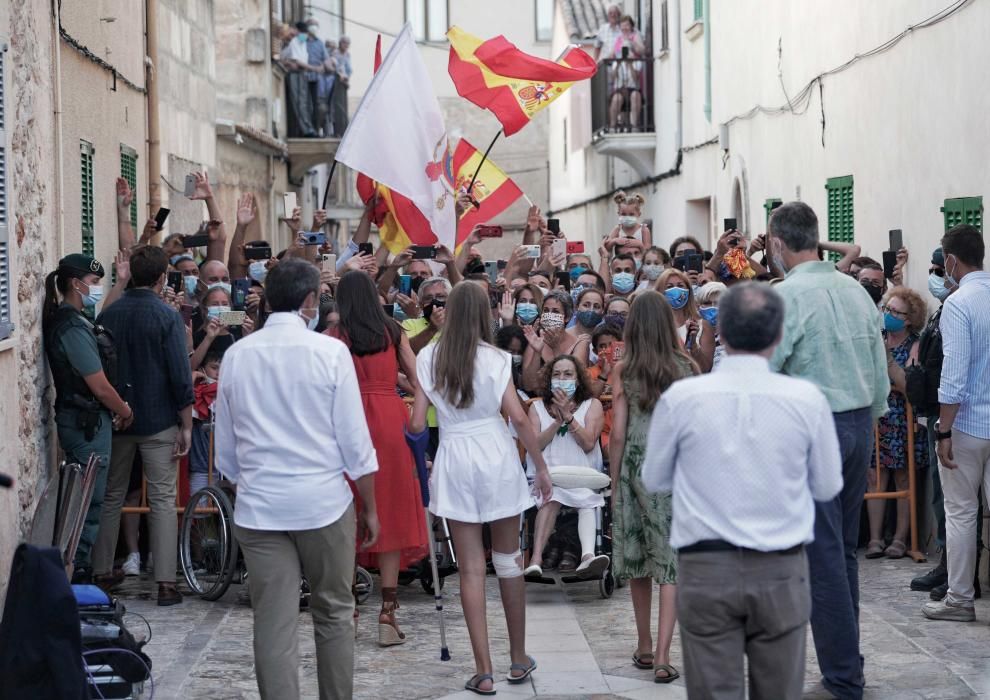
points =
(582, 643)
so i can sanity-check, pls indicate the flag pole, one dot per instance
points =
(478, 170)
(326, 192)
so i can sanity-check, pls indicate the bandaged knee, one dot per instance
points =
(507, 565)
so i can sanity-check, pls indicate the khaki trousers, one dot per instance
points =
(275, 563)
(961, 492)
(740, 605)
(160, 471)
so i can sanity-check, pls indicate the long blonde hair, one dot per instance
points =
(454, 358)
(691, 308)
(654, 358)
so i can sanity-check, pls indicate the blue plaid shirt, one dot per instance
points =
(317, 55)
(152, 359)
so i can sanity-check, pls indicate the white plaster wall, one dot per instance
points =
(908, 124)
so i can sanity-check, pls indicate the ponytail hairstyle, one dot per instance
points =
(633, 200)
(58, 280)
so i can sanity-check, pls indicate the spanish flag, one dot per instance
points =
(493, 189)
(513, 85)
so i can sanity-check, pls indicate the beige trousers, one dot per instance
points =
(961, 493)
(276, 561)
(160, 471)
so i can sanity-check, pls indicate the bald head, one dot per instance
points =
(213, 271)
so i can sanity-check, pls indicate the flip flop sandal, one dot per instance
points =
(640, 661)
(474, 684)
(672, 674)
(527, 671)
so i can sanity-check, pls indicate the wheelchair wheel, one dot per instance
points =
(364, 585)
(606, 585)
(207, 548)
(426, 581)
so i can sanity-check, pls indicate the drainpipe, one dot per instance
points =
(679, 133)
(707, 19)
(59, 180)
(151, 85)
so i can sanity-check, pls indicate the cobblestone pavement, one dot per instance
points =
(582, 643)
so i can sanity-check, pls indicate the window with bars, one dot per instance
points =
(6, 316)
(128, 171)
(86, 215)
(963, 210)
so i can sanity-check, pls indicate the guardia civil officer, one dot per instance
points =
(83, 363)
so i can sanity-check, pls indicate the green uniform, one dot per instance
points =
(73, 353)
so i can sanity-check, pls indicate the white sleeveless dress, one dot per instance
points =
(477, 476)
(564, 451)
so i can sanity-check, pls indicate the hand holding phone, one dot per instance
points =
(889, 263)
(489, 232)
(424, 252)
(405, 285)
(575, 247)
(160, 218)
(896, 239)
(553, 226)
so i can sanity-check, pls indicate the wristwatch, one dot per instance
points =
(939, 435)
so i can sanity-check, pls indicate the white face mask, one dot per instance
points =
(628, 221)
(311, 323)
(93, 294)
(949, 277)
(257, 271)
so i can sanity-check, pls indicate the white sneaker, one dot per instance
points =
(944, 610)
(132, 565)
(533, 570)
(592, 567)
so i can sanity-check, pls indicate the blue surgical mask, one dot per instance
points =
(398, 314)
(652, 271)
(710, 314)
(892, 323)
(577, 272)
(628, 221)
(215, 311)
(638, 262)
(576, 292)
(190, 282)
(94, 295)
(311, 323)
(176, 258)
(225, 286)
(615, 320)
(589, 318)
(623, 282)
(936, 286)
(677, 297)
(527, 312)
(258, 271)
(568, 386)
(952, 281)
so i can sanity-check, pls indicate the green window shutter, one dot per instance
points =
(128, 171)
(699, 9)
(768, 207)
(963, 210)
(86, 214)
(840, 211)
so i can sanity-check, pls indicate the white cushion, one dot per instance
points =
(578, 477)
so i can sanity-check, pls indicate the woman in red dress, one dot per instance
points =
(379, 349)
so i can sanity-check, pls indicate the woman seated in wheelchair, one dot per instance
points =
(568, 420)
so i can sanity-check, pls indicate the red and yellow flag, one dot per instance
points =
(513, 85)
(493, 189)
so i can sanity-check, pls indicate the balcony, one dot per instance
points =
(622, 112)
(306, 153)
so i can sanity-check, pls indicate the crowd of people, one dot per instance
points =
(318, 75)
(662, 368)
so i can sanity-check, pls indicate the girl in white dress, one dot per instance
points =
(569, 421)
(476, 476)
(630, 211)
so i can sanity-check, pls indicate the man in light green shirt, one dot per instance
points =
(832, 338)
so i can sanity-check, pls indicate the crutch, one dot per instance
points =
(417, 443)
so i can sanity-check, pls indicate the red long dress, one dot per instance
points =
(400, 510)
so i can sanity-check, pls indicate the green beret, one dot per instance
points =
(83, 264)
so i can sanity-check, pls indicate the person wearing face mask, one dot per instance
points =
(708, 297)
(870, 275)
(83, 363)
(295, 510)
(590, 305)
(512, 339)
(316, 54)
(697, 335)
(213, 337)
(629, 209)
(522, 306)
(831, 338)
(622, 270)
(551, 337)
(568, 422)
(153, 368)
(962, 431)
(295, 59)
(903, 318)
(655, 261)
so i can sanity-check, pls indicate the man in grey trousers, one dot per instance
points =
(746, 453)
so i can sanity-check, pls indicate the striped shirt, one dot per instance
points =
(965, 328)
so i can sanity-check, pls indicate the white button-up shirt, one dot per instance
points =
(965, 380)
(745, 452)
(289, 425)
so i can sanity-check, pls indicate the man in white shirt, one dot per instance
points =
(746, 452)
(607, 34)
(289, 427)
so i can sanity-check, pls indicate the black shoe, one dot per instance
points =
(934, 578)
(83, 575)
(168, 595)
(977, 593)
(939, 592)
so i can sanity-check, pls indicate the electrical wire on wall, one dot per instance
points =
(441, 46)
(85, 52)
